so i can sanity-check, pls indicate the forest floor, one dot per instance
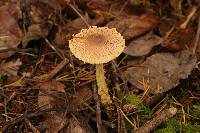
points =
(154, 85)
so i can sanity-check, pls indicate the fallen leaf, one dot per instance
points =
(101, 5)
(83, 96)
(54, 122)
(10, 33)
(143, 45)
(133, 26)
(10, 68)
(162, 71)
(39, 15)
(35, 32)
(76, 25)
(51, 95)
(56, 4)
(179, 39)
(176, 5)
(52, 85)
(76, 125)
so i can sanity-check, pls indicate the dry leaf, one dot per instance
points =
(50, 96)
(101, 5)
(180, 39)
(176, 5)
(35, 32)
(75, 125)
(10, 33)
(133, 26)
(10, 68)
(83, 96)
(54, 122)
(56, 4)
(39, 15)
(76, 25)
(162, 72)
(143, 45)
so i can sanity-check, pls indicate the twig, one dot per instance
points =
(79, 15)
(191, 14)
(34, 129)
(116, 81)
(54, 48)
(5, 49)
(82, 84)
(98, 110)
(122, 8)
(106, 123)
(26, 116)
(121, 124)
(73, 70)
(151, 101)
(57, 69)
(156, 121)
(196, 38)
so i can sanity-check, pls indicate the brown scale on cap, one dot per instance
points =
(97, 45)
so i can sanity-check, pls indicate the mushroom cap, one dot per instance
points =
(97, 45)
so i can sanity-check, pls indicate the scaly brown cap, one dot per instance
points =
(97, 45)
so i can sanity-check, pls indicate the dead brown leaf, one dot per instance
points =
(176, 5)
(101, 5)
(82, 97)
(143, 45)
(133, 26)
(56, 4)
(77, 126)
(162, 72)
(39, 15)
(35, 32)
(179, 39)
(76, 25)
(10, 33)
(50, 96)
(10, 68)
(54, 122)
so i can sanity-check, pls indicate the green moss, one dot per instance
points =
(198, 89)
(143, 111)
(174, 126)
(133, 99)
(191, 128)
(1, 80)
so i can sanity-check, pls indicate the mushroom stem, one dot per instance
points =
(102, 86)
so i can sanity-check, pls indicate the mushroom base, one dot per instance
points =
(102, 86)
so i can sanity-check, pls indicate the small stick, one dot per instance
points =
(151, 101)
(54, 48)
(79, 15)
(196, 38)
(106, 123)
(57, 69)
(116, 80)
(191, 14)
(122, 8)
(98, 110)
(34, 129)
(156, 121)
(26, 116)
(5, 49)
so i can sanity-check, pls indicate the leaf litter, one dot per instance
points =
(148, 68)
(162, 71)
(143, 45)
(10, 32)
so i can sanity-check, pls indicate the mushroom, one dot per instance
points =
(98, 45)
